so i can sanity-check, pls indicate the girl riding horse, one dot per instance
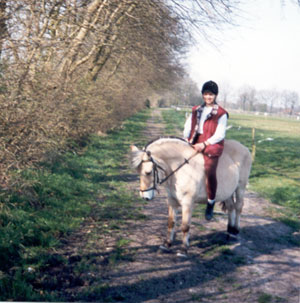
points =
(205, 129)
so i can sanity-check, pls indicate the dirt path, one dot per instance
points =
(263, 267)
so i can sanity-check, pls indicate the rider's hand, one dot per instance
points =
(199, 147)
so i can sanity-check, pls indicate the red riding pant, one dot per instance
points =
(210, 167)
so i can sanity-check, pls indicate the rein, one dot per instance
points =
(155, 172)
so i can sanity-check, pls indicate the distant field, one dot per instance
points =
(276, 170)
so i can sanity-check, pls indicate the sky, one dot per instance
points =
(262, 52)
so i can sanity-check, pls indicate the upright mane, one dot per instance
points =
(165, 147)
(169, 139)
(168, 148)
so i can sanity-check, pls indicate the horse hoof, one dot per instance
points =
(232, 237)
(165, 249)
(232, 230)
(182, 254)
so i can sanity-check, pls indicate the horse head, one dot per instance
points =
(148, 170)
(153, 162)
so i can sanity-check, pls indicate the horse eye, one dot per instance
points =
(148, 173)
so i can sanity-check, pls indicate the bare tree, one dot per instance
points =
(70, 68)
(185, 92)
(247, 98)
(269, 97)
(3, 28)
(225, 91)
(290, 100)
(202, 16)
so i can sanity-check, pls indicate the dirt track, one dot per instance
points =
(264, 266)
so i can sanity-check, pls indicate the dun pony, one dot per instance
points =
(174, 163)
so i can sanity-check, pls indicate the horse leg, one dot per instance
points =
(234, 212)
(171, 225)
(239, 203)
(231, 230)
(185, 227)
(172, 217)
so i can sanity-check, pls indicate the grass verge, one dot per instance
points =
(49, 202)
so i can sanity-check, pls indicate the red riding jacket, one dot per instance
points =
(209, 128)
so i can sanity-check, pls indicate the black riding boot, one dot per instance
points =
(209, 212)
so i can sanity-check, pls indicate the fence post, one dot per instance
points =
(253, 144)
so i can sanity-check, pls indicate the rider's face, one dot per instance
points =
(209, 98)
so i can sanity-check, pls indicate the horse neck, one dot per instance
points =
(171, 154)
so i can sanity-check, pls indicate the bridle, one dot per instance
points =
(155, 168)
(155, 174)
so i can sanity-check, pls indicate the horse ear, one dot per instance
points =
(134, 148)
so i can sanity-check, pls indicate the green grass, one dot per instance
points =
(49, 202)
(276, 169)
(275, 173)
(174, 121)
(267, 298)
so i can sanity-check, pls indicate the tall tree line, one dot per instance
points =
(71, 68)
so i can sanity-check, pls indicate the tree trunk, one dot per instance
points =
(3, 28)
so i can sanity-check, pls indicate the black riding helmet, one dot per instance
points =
(210, 86)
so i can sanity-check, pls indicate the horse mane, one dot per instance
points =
(136, 158)
(160, 140)
(137, 155)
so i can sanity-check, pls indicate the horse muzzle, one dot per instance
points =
(147, 195)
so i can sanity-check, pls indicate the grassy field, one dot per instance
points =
(275, 173)
(276, 168)
(50, 202)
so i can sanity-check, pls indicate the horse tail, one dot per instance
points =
(223, 206)
(226, 206)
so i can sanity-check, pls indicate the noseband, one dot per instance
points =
(155, 168)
